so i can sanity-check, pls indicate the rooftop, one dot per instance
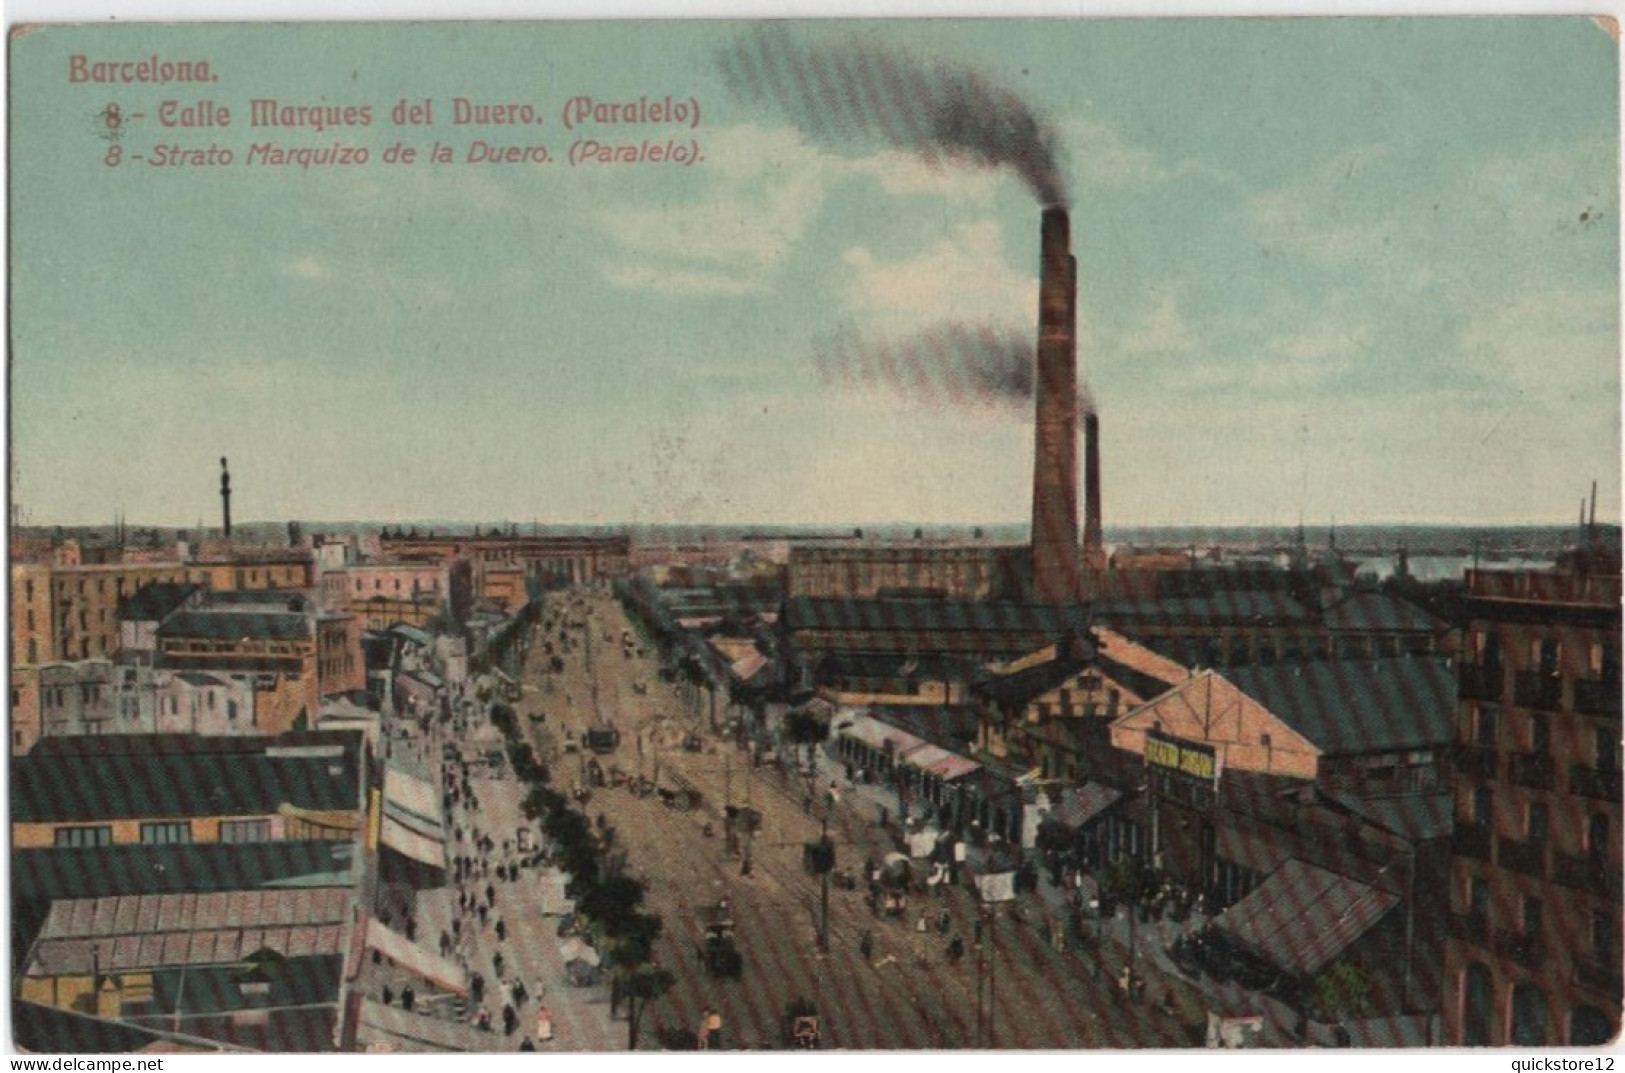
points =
(1358, 706)
(88, 787)
(936, 616)
(144, 931)
(222, 625)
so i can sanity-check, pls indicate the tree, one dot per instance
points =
(542, 801)
(1341, 993)
(633, 974)
(613, 904)
(643, 983)
(804, 728)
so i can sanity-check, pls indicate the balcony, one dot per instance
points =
(1478, 761)
(1595, 696)
(1533, 770)
(1594, 875)
(1470, 927)
(1517, 946)
(1479, 682)
(1598, 975)
(1590, 782)
(1471, 840)
(1526, 857)
(1532, 689)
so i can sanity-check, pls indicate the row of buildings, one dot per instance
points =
(212, 828)
(249, 640)
(1343, 776)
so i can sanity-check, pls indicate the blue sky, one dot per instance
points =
(1355, 268)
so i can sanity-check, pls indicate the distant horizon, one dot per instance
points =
(1311, 529)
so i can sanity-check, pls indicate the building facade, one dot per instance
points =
(1534, 954)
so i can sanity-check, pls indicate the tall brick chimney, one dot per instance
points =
(1055, 440)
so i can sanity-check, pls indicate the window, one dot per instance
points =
(1478, 897)
(1540, 734)
(1528, 1016)
(1484, 732)
(1602, 936)
(1549, 656)
(1533, 913)
(1607, 754)
(1537, 822)
(245, 830)
(165, 834)
(1597, 835)
(1483, 807)
(79, 837)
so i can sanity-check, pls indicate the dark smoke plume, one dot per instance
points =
(971, 367)
(858, 91)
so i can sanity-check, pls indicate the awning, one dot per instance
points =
(1302, 917)
(402, 839)
(1086, 803)
(952, 767)
(412, 800)
(424, 963)
(877, 735)
(925, 754)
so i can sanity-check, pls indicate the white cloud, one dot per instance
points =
(1098, 155)
(963, 274)
(679, 281)
(1160, 328)
(306, 268)
(1554, 347)
(1328, 218)
(905, 173)
(766, 184)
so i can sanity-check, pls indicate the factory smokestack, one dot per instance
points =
(1055, 440)
(225, 499)
(1094, 546)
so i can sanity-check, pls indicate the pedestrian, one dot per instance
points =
(389, 995)
(945, 922)
(866, 945)
(408, 998)
(713, 1031)
(482, 1019)
(484, 912)
(544, 1025)
(476, 986)
(502, 930)
(496, 964)
(527, 1045)
(490, 895)
(510, 1019)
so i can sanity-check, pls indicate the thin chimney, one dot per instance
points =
(225, 499)
(1094, 545)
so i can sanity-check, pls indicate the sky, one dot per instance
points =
(1353, 269)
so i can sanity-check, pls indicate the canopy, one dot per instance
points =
(877, 735)
(1302, 916)
(925, 754)
(952, 767)
(573, 949)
